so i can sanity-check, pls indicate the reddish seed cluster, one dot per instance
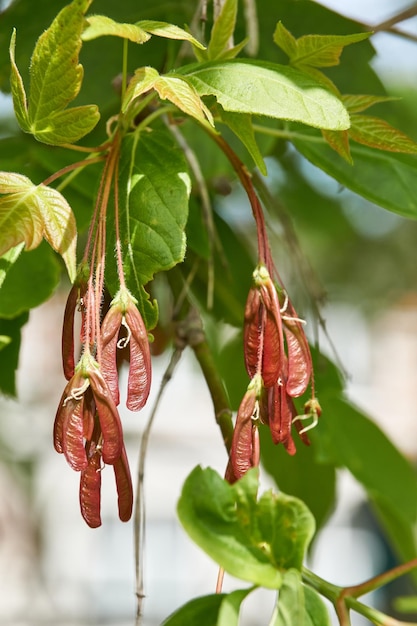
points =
(280, 370)
(87, 428)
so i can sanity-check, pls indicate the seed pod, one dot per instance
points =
(300, 364)
(273, 352)
(109, 336)
(242, 450)
(124, 487)
(281, 413)
(89, 413)
(108, 415)
(90, 491)
(252, 338)
(68, 362)
(140, 373)
(65, 407)
(72, 436)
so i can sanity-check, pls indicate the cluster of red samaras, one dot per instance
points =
(87, 428)
(279, 372)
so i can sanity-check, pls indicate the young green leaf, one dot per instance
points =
(230, 607)
(290, 608)
(223, 29)
(339, 141)
(356, 103)
(55, 80)
(315, 611)
(286, 526)
(377, 133)
(241, 125)
(154, 189)
(29, 212)
(208, 511)
(101, 25)
(268, 89)
(169, 31)
(171, 88)
(314, 50)
(18, 89)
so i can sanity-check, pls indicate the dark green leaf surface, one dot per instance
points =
(29, 281)
(315, 611)
(385, 179)
(291, 600)
(269, 89)
(154, 189)
(351, 440)
(9, 355)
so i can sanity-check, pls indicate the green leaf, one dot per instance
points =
(286, 527)
(223, 29)
(100, 25)
(202, 611)
(315, 611)
(376, 133)
(356, 103)
(241, 125)
(29, 212)
(348, 437)
(154, 188)
(22, 290)
(339, 141)
(299, 475)
(299, 605)
(230, 607)
(269, 89)
(218, 517)
(9, 355)
(18, 89)
(7, 261)
(291, 600)
(400, 533)
(314, 50)
(169, 31)
(55, 80)
(171, 88)
(384, 178)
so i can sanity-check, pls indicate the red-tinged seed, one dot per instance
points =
(65, 406)
(299, 359)
(108, 415)
(90, 491)
(252, 338)
(241, 454)
(281, 413)
(72, 436)
(89, 413)
(109, 336)
(68, 361)
(140, 372)
(273, 352)
(124, 487)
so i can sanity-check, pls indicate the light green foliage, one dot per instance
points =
(252, 540)
(29, 212)
(172, 88)
(268, 89)
(101, 25)
(55, 80)
(222, 31)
